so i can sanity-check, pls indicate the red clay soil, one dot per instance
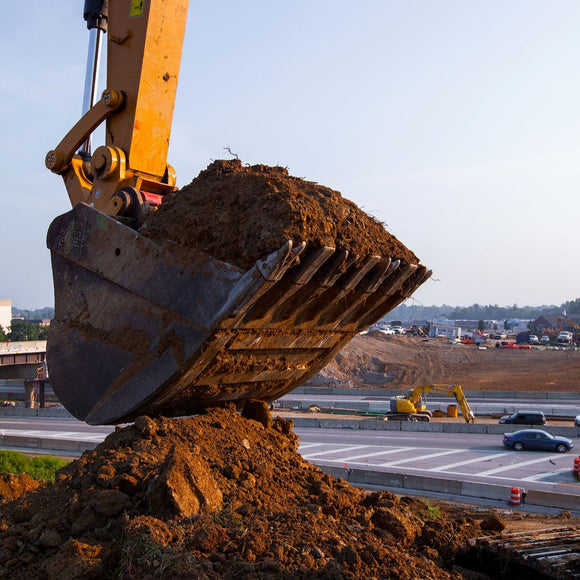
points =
(13, 486)
(220, 495)
(239, 213)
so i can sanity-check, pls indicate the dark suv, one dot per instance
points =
(525, 418)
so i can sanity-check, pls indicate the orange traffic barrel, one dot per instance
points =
(515, 496)
(452, 411)
(577, 466)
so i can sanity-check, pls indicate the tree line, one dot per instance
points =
(413, 311)
(23, 330)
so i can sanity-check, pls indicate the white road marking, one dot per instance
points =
(467, 462)
(309, 445)
(512, 466)
(429, 456)
(354, 461)
(339, 450)
(540, 476)
(74, 435)
(382, 452)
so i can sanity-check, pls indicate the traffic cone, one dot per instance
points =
(515, 496)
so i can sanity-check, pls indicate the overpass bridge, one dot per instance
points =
(23, 372)
(19, 360)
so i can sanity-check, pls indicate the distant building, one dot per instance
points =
(443, 320)
(553, 322)
(445, 330)
(518, 324)
(468, 324)
(5, 314)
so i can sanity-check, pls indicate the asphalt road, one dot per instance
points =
(464, 456)
(65, 429)
(459, 456)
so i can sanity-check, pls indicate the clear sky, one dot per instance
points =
(454, 122)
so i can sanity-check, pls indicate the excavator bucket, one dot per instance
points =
(148, 328)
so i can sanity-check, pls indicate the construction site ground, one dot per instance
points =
(223, 495)
(403, 361)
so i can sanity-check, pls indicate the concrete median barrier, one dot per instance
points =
(485, 490)
(461, 428)
(551, 499)
(423, 426)
(46, 445)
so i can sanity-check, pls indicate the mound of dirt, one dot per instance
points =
(400, 361)
(220, 495)
(237, 214)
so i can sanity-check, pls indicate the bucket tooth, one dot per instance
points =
(256, 282)
(279, 296)
(376, 277)
(346, 292)
(313, 294)
(415, 276)
(362, 299)
(311, 265)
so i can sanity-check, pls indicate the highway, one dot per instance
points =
(459, 456)
(31, 429)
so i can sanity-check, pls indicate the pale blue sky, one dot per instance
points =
(455, 122)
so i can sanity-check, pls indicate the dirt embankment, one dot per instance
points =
(403, 361)
(221, 496)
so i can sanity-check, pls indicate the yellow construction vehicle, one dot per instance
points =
(413, 407)
(569, 321)
(142, 328)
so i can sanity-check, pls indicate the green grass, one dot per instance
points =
(431, 513)
(41, 467)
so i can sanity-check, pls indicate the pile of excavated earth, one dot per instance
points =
(239, 213)
(220, 495)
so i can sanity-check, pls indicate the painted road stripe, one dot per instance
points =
(353, 460)
(54, 435)
(513, 466)
(309, 445)
(467, 461)
(339, 450)
(540, 476)
(421, 457)
(382, 452)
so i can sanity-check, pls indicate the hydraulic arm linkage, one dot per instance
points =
(145, 40)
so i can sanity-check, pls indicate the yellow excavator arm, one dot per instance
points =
(145, 40)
